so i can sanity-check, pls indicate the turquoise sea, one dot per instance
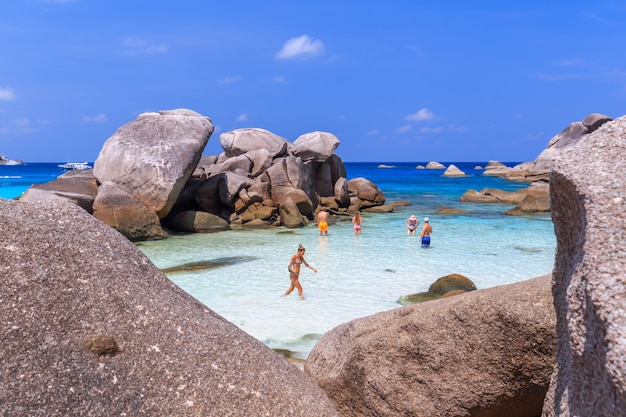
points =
(242, 274)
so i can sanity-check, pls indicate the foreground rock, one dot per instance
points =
(91, 328)
(484, 353)
(588, 210)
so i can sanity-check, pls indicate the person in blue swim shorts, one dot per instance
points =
(427, 229)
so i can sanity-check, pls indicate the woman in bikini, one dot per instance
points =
(294, 271)
(356, 221)
(411, 224)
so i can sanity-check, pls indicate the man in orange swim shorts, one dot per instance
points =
(322, 221)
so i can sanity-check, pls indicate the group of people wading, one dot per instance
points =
(297, 260)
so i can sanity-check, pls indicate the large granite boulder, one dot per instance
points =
(240, 141)
(485, 353)
(539, 169)
(315, 146)
(153, 156)
(90, 327)
(78, 186)
(589, 215)
(116, 208)
(366, 192)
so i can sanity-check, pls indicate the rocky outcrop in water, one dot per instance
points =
(151, 178)
(589, 215)
(90, 327)
(483, 353)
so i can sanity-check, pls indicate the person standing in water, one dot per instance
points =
(356, 222)
(294, 271)
(411, 225)
(426, 231)
(322, 221)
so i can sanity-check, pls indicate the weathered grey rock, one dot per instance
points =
(473, 196)
(287, 174)
(453, 171)
(212, 195)
(486, 353)
(367, 192)
(341, 192)
(529, 205)
(567, 137)
(315, 146)
(595, 120)
(115, 207)
(153, 156)
(324, 185)
(435, 165)
(589, 215)
(261, 160)
(497, 169)
(240, 141)
(290, 214)
(90, 327)
(78, 186)
(198, 222)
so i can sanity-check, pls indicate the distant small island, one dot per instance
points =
(6, 161)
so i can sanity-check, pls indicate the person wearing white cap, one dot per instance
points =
(427, 229)
(411, 224)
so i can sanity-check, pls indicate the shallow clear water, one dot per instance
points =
(242, 274)
(246, 273)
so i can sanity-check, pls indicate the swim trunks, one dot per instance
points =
(323, 227)
(357, 227)
(425, 241)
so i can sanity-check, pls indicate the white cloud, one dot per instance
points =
(431, 130)
(136, 46)
(230, 80)
(422, 114)
(7, 94)
(374, 132)
(242, 118)
(404, 129)
(98, 118)
(302, 46)
(278, 79)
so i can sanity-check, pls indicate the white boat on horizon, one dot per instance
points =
(70, 166)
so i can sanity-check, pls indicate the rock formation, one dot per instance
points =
(90, 327)
(150, 177)
(589, 214)
(453, 171)
(435, 165)
(484, 353)
(6, 161)
(539, 169)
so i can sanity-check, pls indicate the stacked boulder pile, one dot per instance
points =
(150, 178)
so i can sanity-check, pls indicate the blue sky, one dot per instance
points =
(403, 80)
